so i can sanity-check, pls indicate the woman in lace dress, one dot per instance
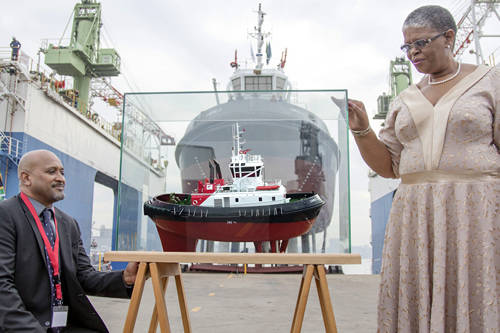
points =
(441, 262)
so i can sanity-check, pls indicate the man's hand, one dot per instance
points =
(130, 273)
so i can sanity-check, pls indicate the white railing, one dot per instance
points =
(22, 58)
(11, 147)
(272, 182)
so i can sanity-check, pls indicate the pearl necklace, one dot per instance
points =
(448, 79)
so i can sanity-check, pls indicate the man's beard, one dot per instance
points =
(58, 196)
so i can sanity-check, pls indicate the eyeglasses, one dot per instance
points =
(419, 44)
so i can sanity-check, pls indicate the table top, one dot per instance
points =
(235, 258)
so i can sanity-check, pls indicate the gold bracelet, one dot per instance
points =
(360, 134)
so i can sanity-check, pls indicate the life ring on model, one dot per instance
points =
(195, 202)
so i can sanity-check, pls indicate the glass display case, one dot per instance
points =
(234, 171)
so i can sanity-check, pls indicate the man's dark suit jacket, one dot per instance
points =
(25, 291)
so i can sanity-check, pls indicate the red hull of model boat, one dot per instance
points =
(180, 237)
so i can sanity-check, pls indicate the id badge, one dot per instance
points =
(60, 316)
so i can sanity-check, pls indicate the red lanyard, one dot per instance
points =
(53, 253)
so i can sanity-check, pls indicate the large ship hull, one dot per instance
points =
(180, 226)
(294, 143)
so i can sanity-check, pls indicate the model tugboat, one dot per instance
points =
(248, 209)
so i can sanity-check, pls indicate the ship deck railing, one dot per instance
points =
(57, 84)
(61, 89)
(272, 182)
(253, 158)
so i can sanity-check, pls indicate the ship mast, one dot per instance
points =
(260, 36)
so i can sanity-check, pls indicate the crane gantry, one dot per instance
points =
(471, 24)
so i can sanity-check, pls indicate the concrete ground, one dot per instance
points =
(252, 303)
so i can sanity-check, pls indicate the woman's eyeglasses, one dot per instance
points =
(419, 44)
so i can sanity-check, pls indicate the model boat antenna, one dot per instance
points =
(237, 143)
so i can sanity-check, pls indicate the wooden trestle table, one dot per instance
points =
(161, 265)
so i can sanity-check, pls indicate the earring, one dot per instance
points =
(448, 46)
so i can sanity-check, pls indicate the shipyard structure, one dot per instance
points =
(46, 106)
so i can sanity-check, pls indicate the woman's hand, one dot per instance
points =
(358, 118)
(373, 151)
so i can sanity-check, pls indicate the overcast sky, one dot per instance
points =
(182, 45)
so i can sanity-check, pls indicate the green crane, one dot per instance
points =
(83, 58)
(400, 79)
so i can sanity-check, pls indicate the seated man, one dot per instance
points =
(44, 270)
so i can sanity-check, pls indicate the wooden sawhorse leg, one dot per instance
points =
(133, 308)
(159, 273)
(318, 271)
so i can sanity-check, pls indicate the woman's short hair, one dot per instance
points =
(434, 17)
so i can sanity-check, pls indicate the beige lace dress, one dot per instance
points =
(441, 258)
